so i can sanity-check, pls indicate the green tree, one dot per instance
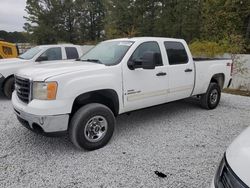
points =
(91, 15)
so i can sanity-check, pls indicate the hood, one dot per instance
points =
(238, 156)
(43, 72)
(11, 61)
(10, 66)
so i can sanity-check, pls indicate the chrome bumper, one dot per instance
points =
(43, 124)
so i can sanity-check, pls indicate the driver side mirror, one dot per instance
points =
(42, 58)
(148, 61)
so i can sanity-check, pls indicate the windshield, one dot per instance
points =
(30, 53)
(108, 53)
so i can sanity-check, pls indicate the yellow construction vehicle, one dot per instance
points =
(8, 50)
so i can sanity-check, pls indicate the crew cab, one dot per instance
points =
(117, 76)
(233, 170)
(35, 56)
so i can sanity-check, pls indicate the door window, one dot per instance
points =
(147, 47)
(176, 53)
(71, 53)
(53, 54)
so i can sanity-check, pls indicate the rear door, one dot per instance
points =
(143, 88)
(71, 53)
(181, 70)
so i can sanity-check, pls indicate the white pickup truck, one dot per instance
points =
(36, 56)
(117, 76)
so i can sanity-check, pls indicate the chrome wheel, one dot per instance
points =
(96, 128)
(214, 96)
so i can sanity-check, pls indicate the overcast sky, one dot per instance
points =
(11, 15)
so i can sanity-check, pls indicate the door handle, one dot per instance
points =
(188, 70)
(161, 74)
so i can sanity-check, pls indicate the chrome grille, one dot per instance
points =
(22, 86)
(227, 178)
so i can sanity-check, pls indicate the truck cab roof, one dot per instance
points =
(146, 39)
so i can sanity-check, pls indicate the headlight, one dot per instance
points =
(44, 90)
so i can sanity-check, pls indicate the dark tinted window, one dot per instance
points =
(71, 53)
(53, 54)
(176, 53)
(147, 47)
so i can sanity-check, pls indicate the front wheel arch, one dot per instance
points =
(107, 97)
(5, 88)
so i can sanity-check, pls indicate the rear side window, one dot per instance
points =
(71, 53)
(147, 47)
(176, 53)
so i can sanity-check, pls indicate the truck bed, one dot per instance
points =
(205, 68)
(208, 59)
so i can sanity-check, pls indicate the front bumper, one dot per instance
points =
(212, 184)
(40, 122)
(43, 124)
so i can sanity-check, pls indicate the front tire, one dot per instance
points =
(9, 87)
(211, 98)
(92, 126)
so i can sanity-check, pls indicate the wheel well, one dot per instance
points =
(11, 76)
(219, 79)
(107, 97)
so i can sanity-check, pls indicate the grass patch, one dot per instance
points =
(237, 92)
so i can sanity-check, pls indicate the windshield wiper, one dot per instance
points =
(92, 60)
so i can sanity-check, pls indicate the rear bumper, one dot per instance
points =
(229, 83)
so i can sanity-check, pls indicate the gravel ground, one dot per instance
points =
(178, 139)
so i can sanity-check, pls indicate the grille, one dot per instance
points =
(228, 179)
(22, 86)
(225, 179)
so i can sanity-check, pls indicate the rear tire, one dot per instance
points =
(92, 126)
(211, 98)
(9, 87)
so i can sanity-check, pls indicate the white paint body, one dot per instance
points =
(238, 155)
(76, 78)
(9, 67)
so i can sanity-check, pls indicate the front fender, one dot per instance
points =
(71, 86)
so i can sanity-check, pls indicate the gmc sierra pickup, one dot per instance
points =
(36, 56)
(83, 97)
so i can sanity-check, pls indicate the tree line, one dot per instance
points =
(15, 37)
(84, 21)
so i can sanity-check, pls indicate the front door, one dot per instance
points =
(143, 88)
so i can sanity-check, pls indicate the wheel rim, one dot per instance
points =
(96, 128)
(214, 96)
